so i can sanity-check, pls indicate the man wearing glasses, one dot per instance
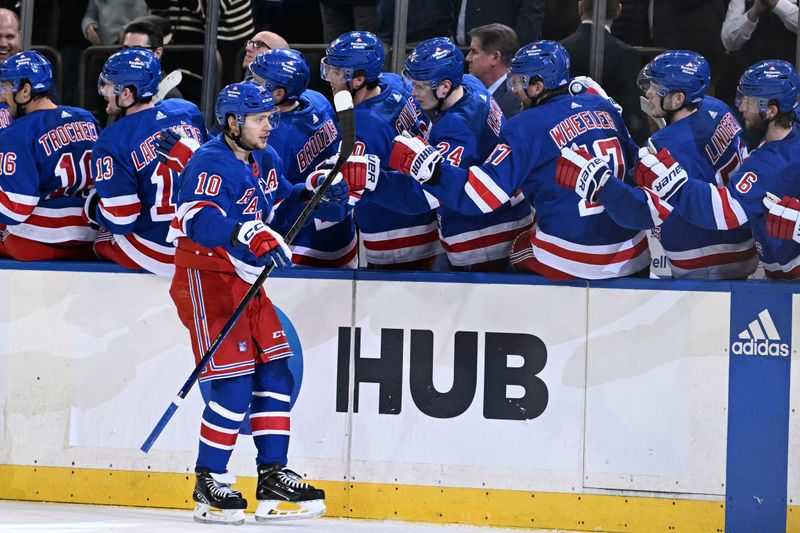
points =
(260, 43)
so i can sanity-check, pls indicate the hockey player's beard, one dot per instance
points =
(757, 124)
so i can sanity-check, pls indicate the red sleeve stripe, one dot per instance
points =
(659, 209)
(121, 210)
(728, 212)
(483, 191)
(15, 206)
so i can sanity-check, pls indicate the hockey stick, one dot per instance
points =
(344, 110)
(169, 82)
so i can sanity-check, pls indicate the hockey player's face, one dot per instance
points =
(421, 90)
(8, 98)
(255, 130)
(335, 76)
(750, 108)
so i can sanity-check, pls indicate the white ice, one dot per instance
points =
(25, 517)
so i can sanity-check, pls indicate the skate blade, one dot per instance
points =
(206, 514)
(273, 510)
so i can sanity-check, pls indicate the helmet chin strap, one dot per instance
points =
(440, 101)
(237, 139)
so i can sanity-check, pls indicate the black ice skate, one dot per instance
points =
(283, 495)
(217, 502)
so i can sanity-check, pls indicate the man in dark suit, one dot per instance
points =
(621, 65)
(524, 16)
(490, 51)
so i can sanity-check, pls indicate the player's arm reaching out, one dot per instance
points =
(631, 207)
(477, 190)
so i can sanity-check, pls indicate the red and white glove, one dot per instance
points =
(174, 150)
(266, 244)
(783, 217)
(582, 172)
(659, 172)
(361, 173)
(415, 157)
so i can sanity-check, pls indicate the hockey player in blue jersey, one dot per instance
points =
(702, 135)
(572, 238)
(308, 136)
(397, 233)
(232, 203)
(767, 98)
(133, 199)
(45, 155)
(465, 127)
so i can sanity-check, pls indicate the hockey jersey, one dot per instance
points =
(216, 192)
(45, 161)
(394, 229)
(775, 168)
(465, 134)
(571, 238)
(5, 116)
(137, 201)
(308, 135)
(709, 147)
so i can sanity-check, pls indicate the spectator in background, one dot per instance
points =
(342, 16)
(9, 34)
(633, 24)
(560, 19)
(188, 27)
(690, 25)
(525, 16)
(260, 43)
(104, 20)
(142, 34)
(426, 19)
(621, 65)
(752, 31)
(491, 48)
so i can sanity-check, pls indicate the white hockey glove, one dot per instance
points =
(585, 84)
(582, 172)
(414, 156)
(659, 172)
(266, 244)
(783, 217)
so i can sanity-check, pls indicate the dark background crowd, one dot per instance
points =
(731, 34)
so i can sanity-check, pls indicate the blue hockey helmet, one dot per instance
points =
(547, 61)
(768, 80)
(242, 99)
(282, 68)
(133, 67)
(434, 61)
(30, 66)
(677, 71)
(353, 52)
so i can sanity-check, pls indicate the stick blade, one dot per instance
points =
(342, 101)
